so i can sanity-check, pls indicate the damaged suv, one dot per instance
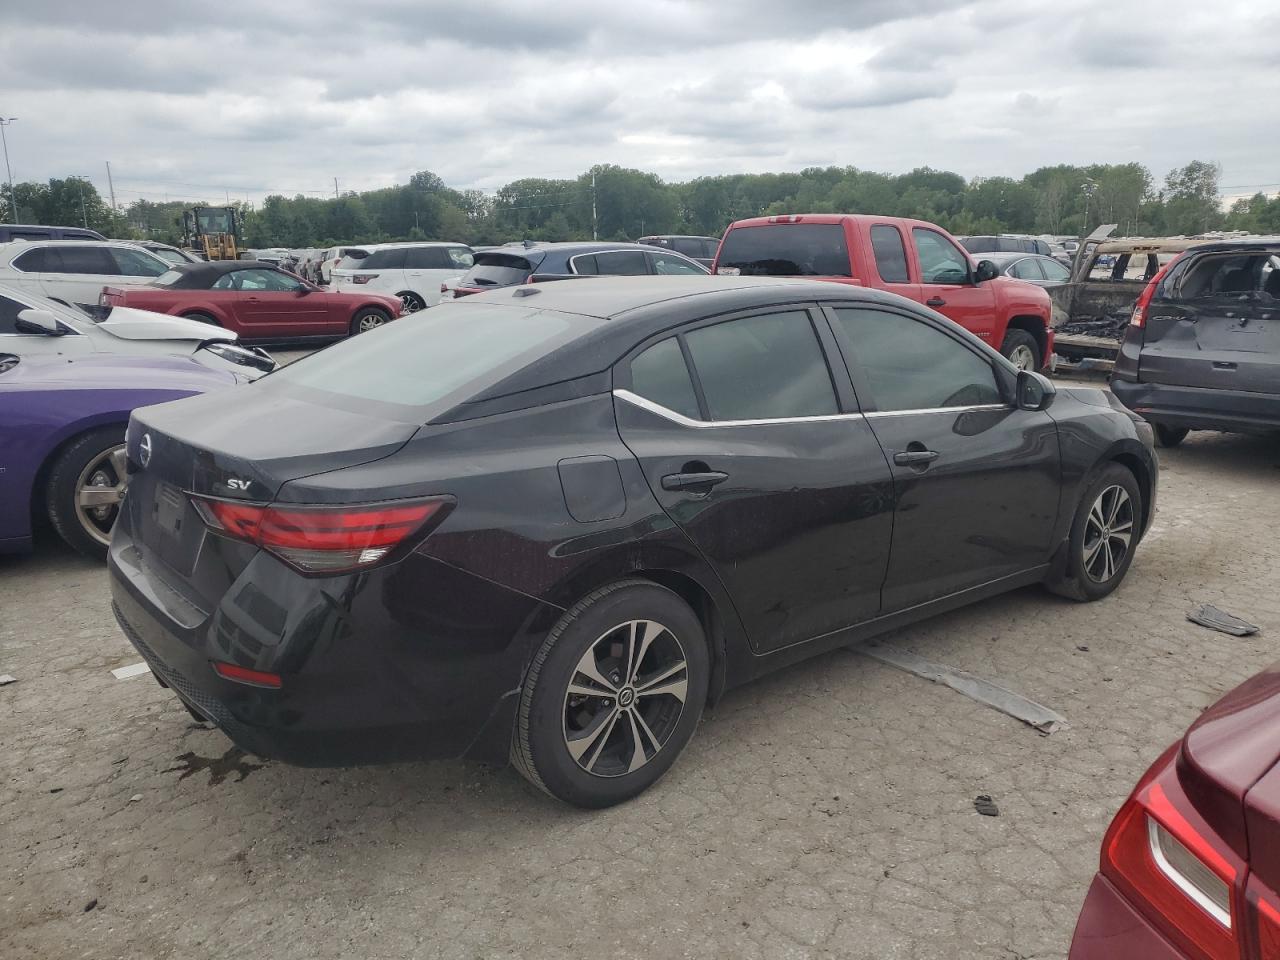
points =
(1202, 351)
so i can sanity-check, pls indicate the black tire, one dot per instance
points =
(1080, 578)
(1017, 343)
(368, 318)
(410, 302)
(540, 748)
(65, 476)
(203, 318)
(1169, 436)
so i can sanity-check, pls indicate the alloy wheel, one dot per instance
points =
(369, 321)
(625, 698)
(1108, 533)
(99, 490)
(1023, 357)
(409, 303)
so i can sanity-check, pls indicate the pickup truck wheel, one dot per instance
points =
(1169, 436)
(203, 318)
(1021, 349)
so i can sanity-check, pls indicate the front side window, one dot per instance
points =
(910, 365)
(891, 254)
(674, 266)
(940, 260)
(762, 368)
(9, 310)
(622, 263)
(135, 263)
(260, 281)
(661, 375)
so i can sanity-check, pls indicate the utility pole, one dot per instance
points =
(84, 217)
(335, 188)
(13, 197)
(594, 231)
(111, 187)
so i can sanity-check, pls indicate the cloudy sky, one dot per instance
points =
(192, 100)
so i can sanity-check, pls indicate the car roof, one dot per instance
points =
(573, 246)
(12, 245)
(676, 236)
(803, 218)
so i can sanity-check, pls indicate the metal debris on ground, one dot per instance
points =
(986, 806)
(1111, 326)
(1207, 615)
(5, 678)
(1041, 718)
(133, 670)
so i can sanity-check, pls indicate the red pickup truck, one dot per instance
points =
(911, 258)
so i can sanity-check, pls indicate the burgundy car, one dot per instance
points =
(257, 300)
(1191, 863)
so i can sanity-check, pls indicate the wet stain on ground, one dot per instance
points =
(233, 761)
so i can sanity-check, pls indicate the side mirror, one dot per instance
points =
(1035, 390)
(40, 322)
(986, 271)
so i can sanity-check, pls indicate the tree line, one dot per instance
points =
(617, 203)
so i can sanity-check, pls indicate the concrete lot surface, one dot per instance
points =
(824, 812)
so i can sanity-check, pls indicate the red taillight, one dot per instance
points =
(255, 678)
(322, 539)
(1176, 871)
(364, 277)
(1139, 318)
(1268, 914)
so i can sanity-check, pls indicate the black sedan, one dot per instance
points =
(553, 522)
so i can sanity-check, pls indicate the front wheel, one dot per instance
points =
(86, 486)
(1021, 349)
(613, 695)
(203, 318)
(368, 319)
(1104, 534)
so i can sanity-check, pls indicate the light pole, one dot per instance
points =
(13, 198)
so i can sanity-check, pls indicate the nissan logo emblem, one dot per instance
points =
(144, 449)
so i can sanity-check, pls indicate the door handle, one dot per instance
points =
(694, 481)
(935, 302)
(1223, 365)
(915, 458)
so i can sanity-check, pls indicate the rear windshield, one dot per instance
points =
(1234, 276)
(451, 351)
(786, 250)
(497, 270)
(169, 278)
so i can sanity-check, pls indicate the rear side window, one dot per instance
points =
(452, 349)
(1055, 271)
(622, 263)
(33, 261)
(689, 246)
(1026, 269)
(891, 254)
(585, 264)
(910, 365)
(660, 374)
(762, 368)
(379, 260)
(497, 270)
(69, 258)
(787, 250)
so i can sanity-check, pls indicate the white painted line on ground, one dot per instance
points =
(132, 670)
(1015, 705)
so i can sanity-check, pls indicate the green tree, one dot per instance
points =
(1191, 198)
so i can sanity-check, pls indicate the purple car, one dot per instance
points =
(62, 424)
(1191, 864)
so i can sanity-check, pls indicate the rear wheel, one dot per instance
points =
(86, 486)
(203, 318)
(613, 695)
(410, 302)
(369, 318)
(1021, 349)
(1169, 436)
(1103, 536)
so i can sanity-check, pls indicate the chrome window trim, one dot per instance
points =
(680, 418)
(970, 408)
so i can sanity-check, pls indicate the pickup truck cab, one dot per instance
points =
(912, 258)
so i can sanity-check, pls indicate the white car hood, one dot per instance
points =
(130, 324)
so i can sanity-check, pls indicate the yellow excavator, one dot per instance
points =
(211, 233)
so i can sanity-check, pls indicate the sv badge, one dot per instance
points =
(237, 484)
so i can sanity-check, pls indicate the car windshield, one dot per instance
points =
(168, 278)
(450, 351)
(786, 250)
(169, 256)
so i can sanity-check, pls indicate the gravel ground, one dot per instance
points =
(826, 811)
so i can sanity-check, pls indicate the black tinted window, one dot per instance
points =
(622, 263)
(32, 261)
(69, 258)
(980, 244)
(585, 264)
(135, 263)
(667, 264)
(381, 260)
(787, 250)
(762, 368)
(910, 365)
(940, 260)
(689, 246)
(660, 374)
(497, 270)
(9, 310)
(428, 258)
(891, 255)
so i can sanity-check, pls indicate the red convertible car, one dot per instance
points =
(256, 300)
(1191, 864)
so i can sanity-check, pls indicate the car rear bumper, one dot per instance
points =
(1109, 927)
(1199, 408)
(412, 661)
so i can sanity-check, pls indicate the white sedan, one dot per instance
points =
(32, 325)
